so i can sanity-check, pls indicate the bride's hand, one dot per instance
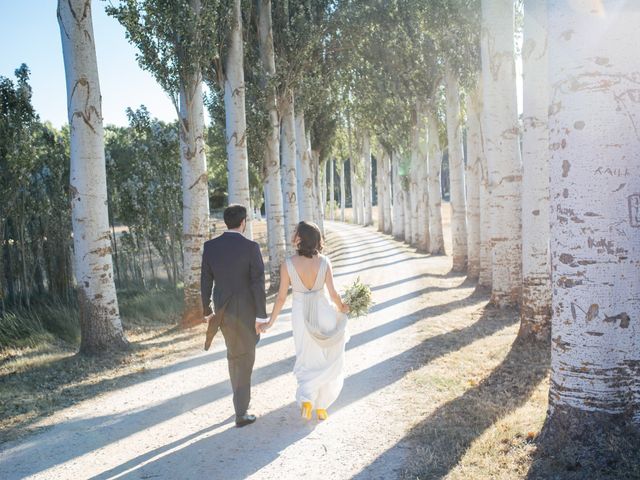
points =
(345, 308)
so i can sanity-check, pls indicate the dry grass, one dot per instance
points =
(482, 406)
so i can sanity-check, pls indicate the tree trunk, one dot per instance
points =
(413, 176)
(343, 193)
(274, 208)
(485, 274)
(323, 190)
(535, 313)
(434, 189)
(195, 195)
(474, 167)
(456, 174)
(305, 174)
(423, 181)
(379, 180)
(385, 190)
(236, 123)
(502, 149)
(398, 199)
(595, 217)
(332, 193)
(406, 197)
(289, 181)
(100, 325)
(318, 214)
(367, 188)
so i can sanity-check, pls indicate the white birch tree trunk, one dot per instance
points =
(305, 173)
(352, 186)
(485, 274)
(195, 194)
(407, 213)
(474, 171)
(502, 149)
(367, 190)
(535, 312)
(289, 174)
(385, 189)
(274, 208)
(343, 193)
(595, 217)
(422, 242)
(236, 123)
(379, 175)
(332, 192)
(456, 174)
(100, 325)
(323, 192)
(398, 199)
(412, 177)
(434, 189)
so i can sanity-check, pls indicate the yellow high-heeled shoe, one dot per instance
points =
(322, 414)
(306, 410)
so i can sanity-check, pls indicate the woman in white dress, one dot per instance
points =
(319, 327)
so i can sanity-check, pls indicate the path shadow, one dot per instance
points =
(370, 258)
(438, 443)
(382, 265)
(282, 427)
(116, 427)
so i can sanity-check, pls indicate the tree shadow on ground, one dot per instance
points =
(116, 427)
(439, 442)
(280, 428)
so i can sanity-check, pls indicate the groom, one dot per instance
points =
(235, 264)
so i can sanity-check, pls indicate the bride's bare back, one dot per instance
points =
(307, 269)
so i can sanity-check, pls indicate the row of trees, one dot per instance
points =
(298, 82)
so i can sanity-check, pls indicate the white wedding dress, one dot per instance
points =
(319, 334)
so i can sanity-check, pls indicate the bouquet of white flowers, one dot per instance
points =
(358, 297)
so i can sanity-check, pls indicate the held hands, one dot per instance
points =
(263, 327)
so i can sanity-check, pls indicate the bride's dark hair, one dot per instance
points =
(310, 239)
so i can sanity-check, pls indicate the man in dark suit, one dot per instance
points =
(235, 264)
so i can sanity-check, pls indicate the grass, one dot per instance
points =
(483, 407)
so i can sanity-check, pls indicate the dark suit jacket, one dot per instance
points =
(235, 264)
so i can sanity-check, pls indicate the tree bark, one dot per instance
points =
(100, 325)
(195, 196)
(407, 214)
(398, 199)
(236, 123)
(343, 193)
(535, 314)
(502, 150)
(413, 176)
(595, 220)
(332, 192)
(305, 175)
(274, 208)
(289, 180)
(367, 190)
(434, 190)
(456, 175)
(474, 167)
(422, 242)
(385, 189)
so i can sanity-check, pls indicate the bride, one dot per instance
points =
(319, 327)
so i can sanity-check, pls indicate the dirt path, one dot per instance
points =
(179, 424)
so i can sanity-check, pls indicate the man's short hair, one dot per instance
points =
(234, 215)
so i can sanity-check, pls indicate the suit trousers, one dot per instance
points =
(240, 338)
